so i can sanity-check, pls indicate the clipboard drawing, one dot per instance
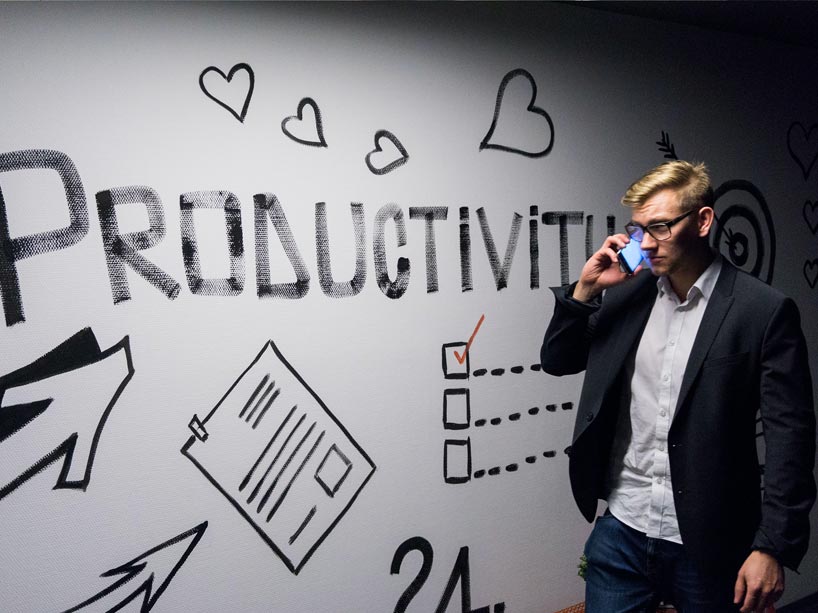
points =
(282, 459)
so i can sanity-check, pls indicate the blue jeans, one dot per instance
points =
(631, 573)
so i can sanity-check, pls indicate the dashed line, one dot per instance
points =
(510, 468)
(499, 372)
(533, 411)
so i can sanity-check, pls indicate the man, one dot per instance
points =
(677, 370)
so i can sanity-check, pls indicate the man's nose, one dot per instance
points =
(648, 242)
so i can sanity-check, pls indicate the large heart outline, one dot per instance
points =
(811, 272)
(380, 134)
(229, 77)
(810, 212)
(806, 168)
(531, 108)
(299, 116)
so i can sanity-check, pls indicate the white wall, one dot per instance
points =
(115, 88)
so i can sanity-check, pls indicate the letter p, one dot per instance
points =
(12, 250)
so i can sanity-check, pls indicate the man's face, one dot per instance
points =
(667, 256)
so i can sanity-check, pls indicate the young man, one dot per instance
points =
(678, 365)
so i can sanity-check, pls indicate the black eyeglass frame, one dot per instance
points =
(632, 227)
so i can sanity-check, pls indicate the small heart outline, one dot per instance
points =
(380, 134)
(229, 77)
(806, 169)
(812, 278)
(299, 116)
(518, 72)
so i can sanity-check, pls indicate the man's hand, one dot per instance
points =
(759, 584)
(601, 271)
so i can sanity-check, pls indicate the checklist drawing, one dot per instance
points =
(274, 449)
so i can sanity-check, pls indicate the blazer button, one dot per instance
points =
(589, 417)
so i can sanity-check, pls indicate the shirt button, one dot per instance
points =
(659, 480)
(666, 378)
(672, 343)
(662, 412)
(589, 417)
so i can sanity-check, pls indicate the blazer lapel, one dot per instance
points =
(717, 308)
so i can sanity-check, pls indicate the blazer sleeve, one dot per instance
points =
(567, 340)
(788, 420)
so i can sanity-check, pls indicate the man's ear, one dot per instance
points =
(705, 219)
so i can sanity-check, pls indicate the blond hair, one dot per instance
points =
(690, 181)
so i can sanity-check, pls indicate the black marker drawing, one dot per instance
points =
(811, 272)
(315, 138)
(666, 147)
(430, 214)
(151, 573)
(331, 287)
(514, 466)
(745, 233)
(274, 450)
(397, 160)
(810, 212)
(268, 205)
(563, 219)
(12, 250)
(224, 91)
(56, 407)
(803, 146)
(458, 415)
(460, 574)
(121, 249)
(391, 289)
(500, 271)
(531, 108)
(465, 251)
(227, 201)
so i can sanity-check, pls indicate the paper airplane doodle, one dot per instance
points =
(397, 147)
(523, 120)
(151, 572)
(225, 89)
(313, 139)
(273, 448)
(57, 406)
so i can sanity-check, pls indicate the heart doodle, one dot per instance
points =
(811, 272)
(318, 139)
(486, 142)
(398, 161)
(811, 215)
(803, 146)
(226, 92)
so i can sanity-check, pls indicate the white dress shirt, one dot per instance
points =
(640, 489)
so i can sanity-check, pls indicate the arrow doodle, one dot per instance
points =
(153, 572)
(57, 406)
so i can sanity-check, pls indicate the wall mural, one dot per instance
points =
(267, 442)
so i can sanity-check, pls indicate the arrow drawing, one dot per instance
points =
(153, 572)
(57, 406)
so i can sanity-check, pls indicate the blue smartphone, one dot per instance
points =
(630, 256)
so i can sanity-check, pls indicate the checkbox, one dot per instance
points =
(452, 367)
(457, 460)
(456, 409)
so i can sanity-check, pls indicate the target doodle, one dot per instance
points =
(745, 233)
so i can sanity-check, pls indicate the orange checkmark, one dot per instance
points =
(462, 358)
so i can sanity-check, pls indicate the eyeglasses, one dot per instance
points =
(660, 231)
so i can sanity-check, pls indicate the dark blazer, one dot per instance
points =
(749, 355)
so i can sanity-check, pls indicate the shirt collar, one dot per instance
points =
(703, 286)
